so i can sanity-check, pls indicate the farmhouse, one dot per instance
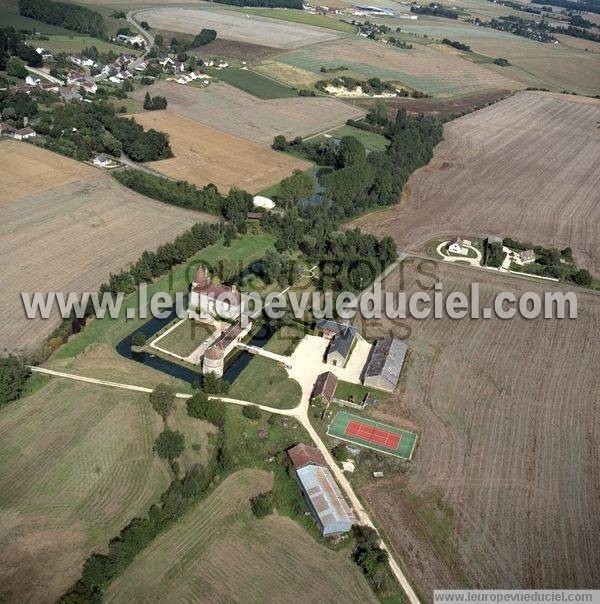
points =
(458, 245)
(214, 298)
(527, 257)
(139, 40)
(340, 346)
(31, 81)
(385, 365)
(102, 160)
(24, 133)
(90, 86)
(327, 329)
(323, 496)
(45, 54)
(325, 386)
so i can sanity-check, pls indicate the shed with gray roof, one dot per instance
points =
(385, 364)
(340, 346)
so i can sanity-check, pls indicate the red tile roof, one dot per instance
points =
(303, 455)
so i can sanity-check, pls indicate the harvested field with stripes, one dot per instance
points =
(527, 167)
(204, 155)
(69, 239)
(236, 26)
(27, 170)
(230, 110)
(505, 489)
(420, 68)
(76, 464)
(219, 551)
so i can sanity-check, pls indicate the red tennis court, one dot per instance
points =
(373, 435)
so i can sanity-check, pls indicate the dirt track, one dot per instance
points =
(527, 167)
(504, 489)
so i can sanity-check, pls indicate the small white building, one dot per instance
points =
(263, 202)
(526, 257)
(32, 81)
(45, 54)
(458, 245)
(89, 86)
(102, 160)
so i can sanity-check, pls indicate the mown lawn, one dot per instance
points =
(252, 83)
(355, 393)
(265, 382)
(186, 337)
(74, 42)
(371, 140)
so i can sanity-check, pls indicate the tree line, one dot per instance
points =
(69, 16)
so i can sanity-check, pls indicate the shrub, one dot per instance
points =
(169, 444)
(13, 375)
(252, 412)
(262, 504)
(162, 399)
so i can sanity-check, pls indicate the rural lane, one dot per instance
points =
(299, 413)
(44, 75)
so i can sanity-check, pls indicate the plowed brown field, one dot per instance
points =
(527, 167)
(204, 155)
(504, 487)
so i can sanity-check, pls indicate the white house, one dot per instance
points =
(216, 299)
(24, 133)
(90, 87)
(526, 257)
(31, 81)
(263, 202)
(102, 160)
(139, 40)
(458, 245)
(45, 54)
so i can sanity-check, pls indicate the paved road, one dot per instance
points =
(43, 74)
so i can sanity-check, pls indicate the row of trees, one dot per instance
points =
(13, 375)
(70, 16)
(154, 102)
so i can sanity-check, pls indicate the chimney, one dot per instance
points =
(25, 121)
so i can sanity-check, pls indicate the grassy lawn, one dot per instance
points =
(186, 337)
(371, 140)
(252, 83)
(355, 393)
(92, 352)
(274, 190)
(131, 105)
(299, 16)
(76, 463)
(76, 43)
(265, 382)
(284, 340)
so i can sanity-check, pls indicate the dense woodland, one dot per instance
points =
(12, 44)
(70, 16)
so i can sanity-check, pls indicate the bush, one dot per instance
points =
(138, 339)
(13, 375)
(162, 399)
(201, 407)
(252, 412)
(169, 444)
(262, 504)
(582, 277)
(211, 384)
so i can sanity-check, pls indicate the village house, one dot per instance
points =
(45, 54)
(89, 86)
(526, 257)
(327, 505)
(102, 160)
(215, 299)
(385, 364)
(341, 345)
(325, 386)
(69, 94)
(132, 40)
(32, 81)
(6, 129)
(24, 133)
(458, 245)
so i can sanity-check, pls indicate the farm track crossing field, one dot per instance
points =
(76, 464)
(505, 489)
(69, 238)
(527, 167)
(27, 170)
(421, 68)
(231, 110)
(219, 551)
(232, 25)
(204, 155)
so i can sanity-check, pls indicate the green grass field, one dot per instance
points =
(76, 464)
(186, 337)
(404, 449)
(356, 393)
(371, 140)
(265, 382)
(220, 552)
(299, 16)
(74, 42)
(252, 83)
